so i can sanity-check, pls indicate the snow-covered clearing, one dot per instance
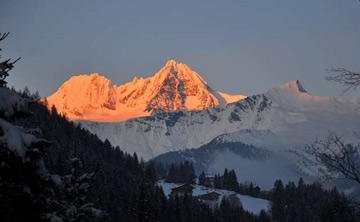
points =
(251, 204)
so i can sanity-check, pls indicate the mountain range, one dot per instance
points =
(174, 87)
(176, 115)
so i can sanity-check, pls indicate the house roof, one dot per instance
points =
(185, 187)
(212, 196)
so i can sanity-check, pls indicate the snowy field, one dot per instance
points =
(251, 204)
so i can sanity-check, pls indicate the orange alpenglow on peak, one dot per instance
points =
(231, 98)
(294, 85)
(171, 62)
(174, 87)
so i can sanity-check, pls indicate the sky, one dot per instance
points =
(240, 46)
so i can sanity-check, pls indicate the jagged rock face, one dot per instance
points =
(182, 89)
(176, 87)
(170, 131)
(83, 93)
(287, 111)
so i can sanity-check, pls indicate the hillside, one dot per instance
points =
(293, 116)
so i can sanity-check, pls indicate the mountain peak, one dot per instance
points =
(172, 62)
(95, 74)
(173, 67)
(294, 85)
(180, 71)
(92, 77)
(175, 87)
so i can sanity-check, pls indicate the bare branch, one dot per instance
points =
(3, 35)
(347, 78)
(339, 159)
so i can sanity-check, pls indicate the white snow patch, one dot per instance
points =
(251, 204)
(16, 138)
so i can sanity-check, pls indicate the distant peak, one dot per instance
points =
(175, 66)
(83, 80)
(231, 98)
(172, 62)
(136, 79)
(94, 75)
(178, 70)
(174, 87)
(294, 85)
(97, 76)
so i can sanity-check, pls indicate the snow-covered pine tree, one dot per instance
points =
(6, 65)
(77, 185)
(24, 180)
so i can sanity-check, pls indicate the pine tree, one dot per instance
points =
(6, 65)
(145, 205)
(202, 178)
(233, 183)
(264, 217)
(278, 206)
(225, 179)
(77, 185)
(181, 173)
(171, 175)
(217, 181)
(26, 92)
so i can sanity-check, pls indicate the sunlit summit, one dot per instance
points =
(174, 87)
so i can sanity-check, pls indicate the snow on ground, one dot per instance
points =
(251, 204)
(17, 138)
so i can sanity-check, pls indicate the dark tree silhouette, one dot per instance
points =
(347, 78)
(6, 65)
(340, 159)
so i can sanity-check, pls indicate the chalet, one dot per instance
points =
(211, 199)
(186, 189)
(209, 181)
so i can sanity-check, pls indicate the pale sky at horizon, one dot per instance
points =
(238, 46)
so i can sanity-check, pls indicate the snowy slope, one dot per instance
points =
(291, 116)
(163, 132)
(17, 139)
(260, 165)
(174, 87)
(231, 98)
(297, 119)
(251, 204)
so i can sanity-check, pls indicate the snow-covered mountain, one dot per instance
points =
(271, 147)
(291, 115)
(176, 87)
